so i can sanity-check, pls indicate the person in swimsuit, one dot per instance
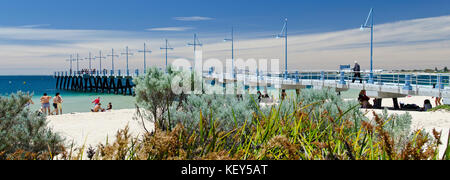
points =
(45, 101)
(57, 104)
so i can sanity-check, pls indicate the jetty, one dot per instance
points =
(98, 82)
(378, 85)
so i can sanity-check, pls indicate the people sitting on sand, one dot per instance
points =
(283, 94)
(364, 100)
(45, 101)
(259, 96)
(109, 107)
(427, 105)
(96, 101)
(98, 108)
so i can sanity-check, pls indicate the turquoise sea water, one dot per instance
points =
(81, 102)
(73, 101)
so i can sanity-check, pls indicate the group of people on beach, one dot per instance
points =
(47, 102)
(57, 104)
(364, 100)
(98, 106)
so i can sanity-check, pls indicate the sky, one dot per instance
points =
(36, 37)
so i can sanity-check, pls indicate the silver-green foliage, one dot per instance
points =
(399, 126)
(319, 101)
(24, 130)
(154, 93)
(226, 111)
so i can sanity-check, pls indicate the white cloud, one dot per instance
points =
(35, 26)
(193, 18)
(420, 43)
(171, 29)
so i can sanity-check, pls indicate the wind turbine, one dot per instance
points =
(370, 26)
(166, 48)
(284, 34)
(112, 55)
(127, 53)
(232, 50)
(145, 51)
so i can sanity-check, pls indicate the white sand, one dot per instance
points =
(94, 128)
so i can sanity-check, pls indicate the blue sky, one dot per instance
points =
(306, 16)
(36, 36)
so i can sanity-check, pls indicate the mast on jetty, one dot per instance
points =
(78, 64)
(71, 59)
(195, 44)
(90, 62)
(367, 26)
(112, 60)
(100, 58)
(166, 48)
(232, 50)
(284, 34)
(145, 51)
(127, 53)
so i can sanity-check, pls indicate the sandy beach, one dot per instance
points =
(94, 128)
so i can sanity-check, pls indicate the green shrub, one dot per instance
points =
(227, 111)
(443, 107)
(24, 134)
(154, 93)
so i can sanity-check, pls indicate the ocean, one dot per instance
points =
(73, 101)
(78, 101)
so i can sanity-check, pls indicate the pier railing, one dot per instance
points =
(433, 84)
(423, 84)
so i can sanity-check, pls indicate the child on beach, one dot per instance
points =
(109, 107)
(96, 101)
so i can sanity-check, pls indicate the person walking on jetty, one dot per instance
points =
(357, 71)
(45, 101)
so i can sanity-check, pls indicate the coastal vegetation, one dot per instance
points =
(24, 134)
(315, 125)
(311, 125)
(442, 107)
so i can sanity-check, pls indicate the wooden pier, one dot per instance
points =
(112, 84)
